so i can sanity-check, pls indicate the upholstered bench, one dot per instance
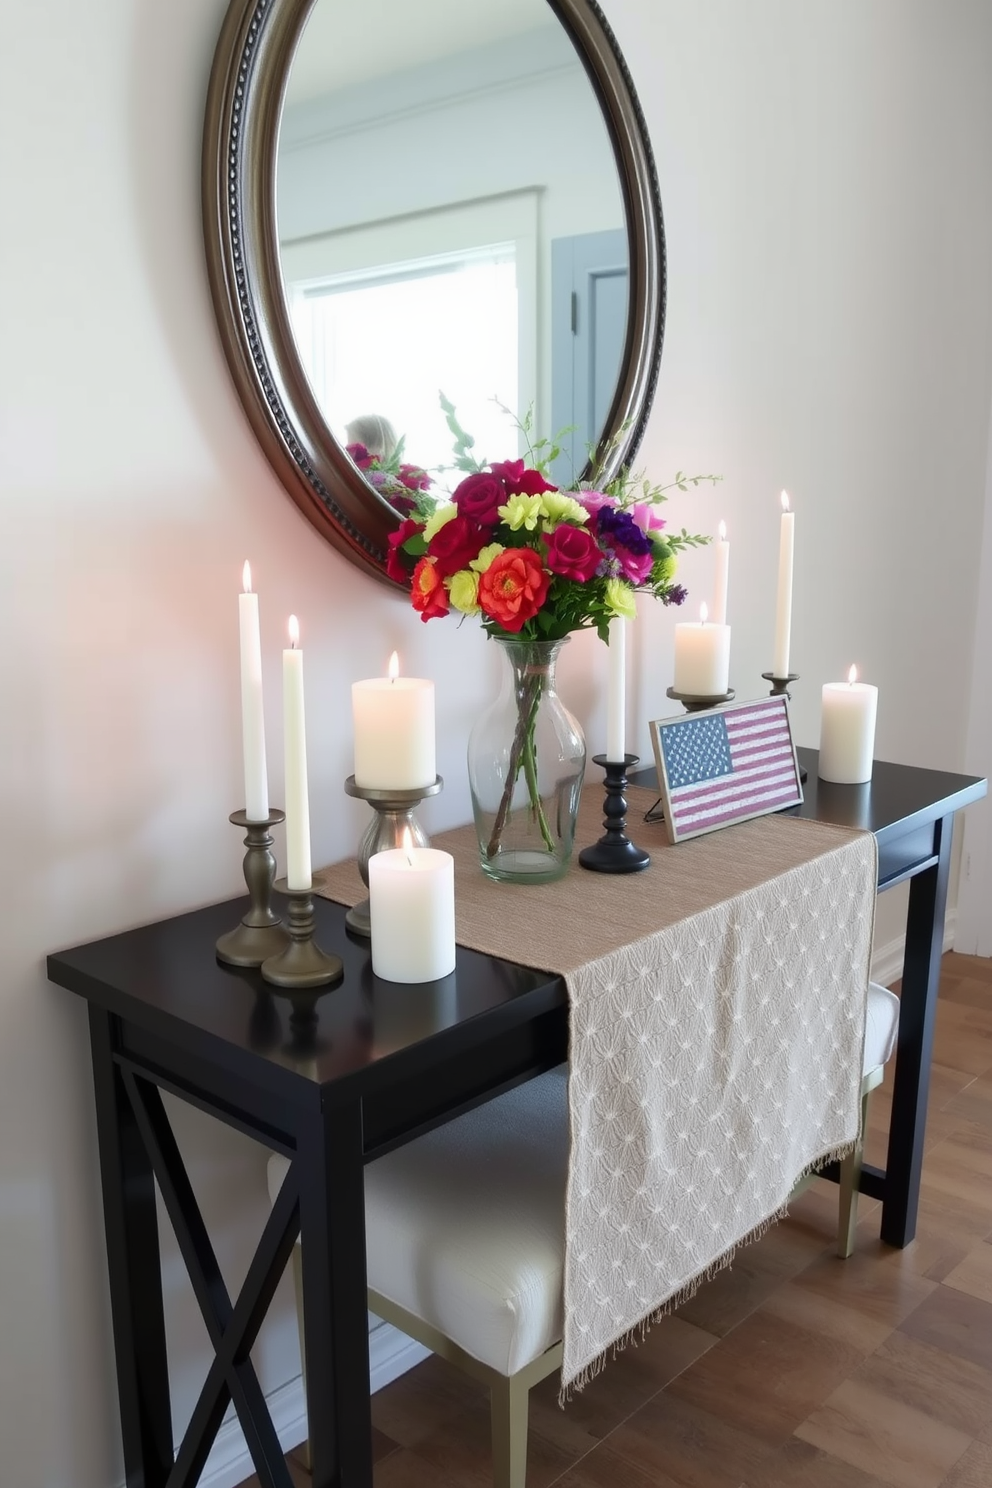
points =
(465, 1232)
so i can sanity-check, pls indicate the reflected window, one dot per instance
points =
(387, 341)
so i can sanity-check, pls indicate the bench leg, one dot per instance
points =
(850, 1180)
(508, 1403)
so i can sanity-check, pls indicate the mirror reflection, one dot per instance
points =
(450, 220)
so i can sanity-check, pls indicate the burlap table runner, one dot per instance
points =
(717, 1010)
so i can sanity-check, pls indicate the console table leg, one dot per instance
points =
(135, 1272)
(917, 1015)
(335, 1304)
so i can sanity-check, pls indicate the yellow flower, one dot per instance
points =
(463, 591)
(557, 506)
(521, 511)
(668, 567)
(620, 599)
(486, 557)
(438, 518)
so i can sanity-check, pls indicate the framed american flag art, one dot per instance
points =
(725, 765)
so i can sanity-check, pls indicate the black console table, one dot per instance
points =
(375, 1065)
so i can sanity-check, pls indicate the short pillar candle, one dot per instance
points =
(847, 731)
(412, 913)
(393, 719)
(702, 657)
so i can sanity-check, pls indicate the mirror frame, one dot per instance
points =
(240, 143)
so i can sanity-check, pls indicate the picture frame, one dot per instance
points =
(725, 765)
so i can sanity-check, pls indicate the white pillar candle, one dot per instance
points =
(847, 730)
(783, 610)
(721, 579)
(412, 911)
(252, 713)
(295, 736)
(615, 691)
(702, 657)
(393, 720)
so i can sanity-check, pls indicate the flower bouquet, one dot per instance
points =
(534, 562)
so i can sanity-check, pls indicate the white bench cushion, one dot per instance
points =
(882, 1026)
(465, 1225)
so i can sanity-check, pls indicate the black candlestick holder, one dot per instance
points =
(780, 688)
(695, 702)
(261, 933)
(780, 685)
(614, 852)
(301, 963)
(393, 818)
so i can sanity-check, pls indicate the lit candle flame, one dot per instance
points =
(294, 632)
(722, 529)
(246, 577)
(704, 614)
(852, 676)
(393, 670)
(406, 841)
(785, 501)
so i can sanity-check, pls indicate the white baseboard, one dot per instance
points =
(391, 1354)
(886, 961)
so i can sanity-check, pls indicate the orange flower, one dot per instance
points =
(513, 588)
(427, 590)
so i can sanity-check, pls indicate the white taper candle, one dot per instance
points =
(783, 611)
(298, 875)
(721, 578)
(616, 689)
(252, 712)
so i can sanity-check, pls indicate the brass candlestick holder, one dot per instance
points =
(614, 852)
(261, 933)
(695, 702)
(301, 963)
(393, 817)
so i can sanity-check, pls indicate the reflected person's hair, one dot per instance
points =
(375, 432)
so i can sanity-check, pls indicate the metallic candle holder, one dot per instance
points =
(301, 963)
(614, 852)
(393, 816)
(780, 685)
(694, 702)
(261, 933)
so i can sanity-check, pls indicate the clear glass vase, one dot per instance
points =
(526, 759)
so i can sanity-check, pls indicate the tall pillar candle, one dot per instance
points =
(847, 731)
(412, 913)
(298, 875)
(393, 720)
(783, 609)
(721, 578)
(252, 712)
(616, 690)
(702, 657)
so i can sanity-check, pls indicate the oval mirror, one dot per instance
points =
(406, 203)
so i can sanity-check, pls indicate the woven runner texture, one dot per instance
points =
(717, 1007)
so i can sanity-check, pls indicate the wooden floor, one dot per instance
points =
(793, 1369)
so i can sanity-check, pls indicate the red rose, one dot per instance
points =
(518, 479)
(427, 591)
(513, 588)
(360, 455)
(454, 545)
(478, 496)
(398, 564)
(573, 552)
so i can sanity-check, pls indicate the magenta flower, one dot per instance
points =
(573, 552)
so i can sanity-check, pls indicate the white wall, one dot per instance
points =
(826, 176)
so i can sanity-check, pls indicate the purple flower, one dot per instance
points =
(621, 531)
(593, 501)
(676, 595)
